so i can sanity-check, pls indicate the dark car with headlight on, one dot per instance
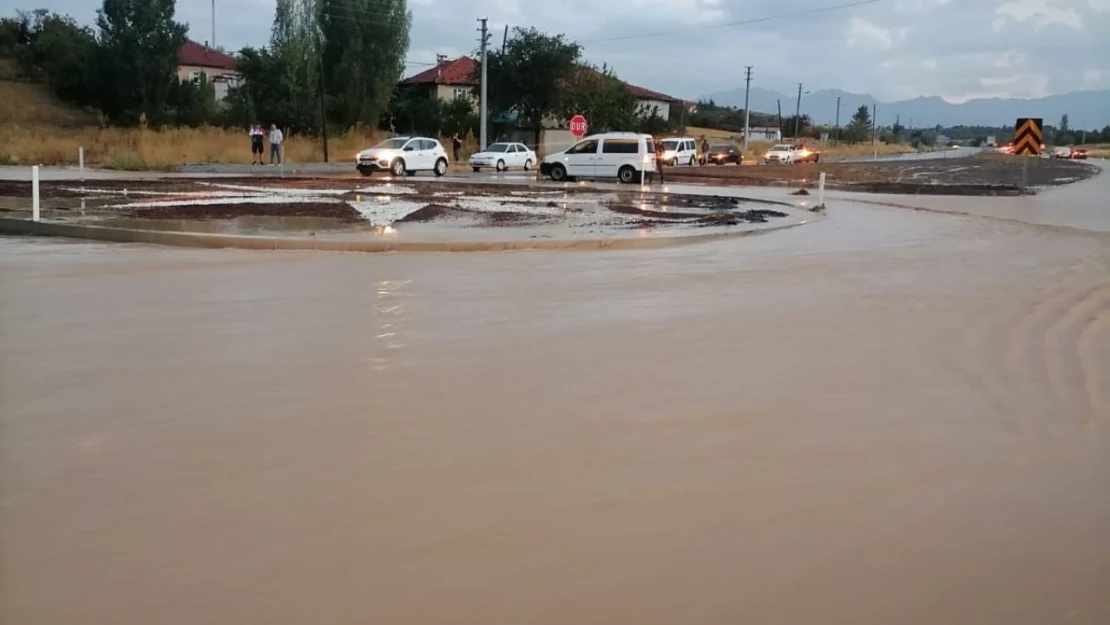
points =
(723, 154)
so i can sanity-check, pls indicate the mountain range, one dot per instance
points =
(1085, 109)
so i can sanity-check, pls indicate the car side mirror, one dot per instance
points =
(409, 148)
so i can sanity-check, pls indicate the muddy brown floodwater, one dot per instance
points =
(882, 417)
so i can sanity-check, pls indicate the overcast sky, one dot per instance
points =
(892, 49)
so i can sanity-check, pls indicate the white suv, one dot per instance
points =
(626, 156)
(403, 155)
(679, 151)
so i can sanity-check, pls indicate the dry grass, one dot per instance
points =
(758, 148)
(1097, 150)
(161, 149)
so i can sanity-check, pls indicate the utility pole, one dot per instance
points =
(875, 128)
(779, 103)
(836, 132)
(483, 100)
(323, 115)
(213, 24)
(747, 112)
(798, 115)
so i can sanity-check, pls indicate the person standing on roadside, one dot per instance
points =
(456, 145)
(659, 161)
(276, 139)
(257, 135)
(704, 151)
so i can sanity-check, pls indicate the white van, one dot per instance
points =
(620, 155)
(680, 151)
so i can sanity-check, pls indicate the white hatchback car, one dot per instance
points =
(626, 156)
(403, 155)
(502, 156)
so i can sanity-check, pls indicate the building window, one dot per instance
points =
(198, 76)
(461, 93)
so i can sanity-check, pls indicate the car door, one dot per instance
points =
(427, 154)
(515, 156)
(411, 154)
(581, 160)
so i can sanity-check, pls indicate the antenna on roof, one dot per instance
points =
(440, 60)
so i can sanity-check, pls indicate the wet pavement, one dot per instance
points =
(885, 416)
(407, 210)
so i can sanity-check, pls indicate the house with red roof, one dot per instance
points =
(453, 78)
(450, 79)
(196, 61)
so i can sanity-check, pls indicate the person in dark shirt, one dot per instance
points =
(456, 146)
(659, 161)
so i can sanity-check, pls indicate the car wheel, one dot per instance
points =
(693, 161)
(816, 158)
(627, 174)
(366, 172)
(476, 169)
(440, 168)
(558, 173)
(674, 162)
(527, 164)
(500, 165)
(397, 167)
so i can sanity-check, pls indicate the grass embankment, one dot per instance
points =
(139, 149)
(756, 149)
(37, 129)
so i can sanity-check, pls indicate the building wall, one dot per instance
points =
(185, 72)
(663, 109)
(448, 93)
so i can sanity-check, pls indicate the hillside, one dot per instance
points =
(31, 104)
(1087, 109)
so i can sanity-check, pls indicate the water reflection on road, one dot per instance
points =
(883, 417)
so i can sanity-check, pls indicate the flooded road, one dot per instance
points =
(883, 417)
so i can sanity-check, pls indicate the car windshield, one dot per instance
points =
(719, 148)
(670, 145)
(498, 147)
(781, 148)
(391, 144)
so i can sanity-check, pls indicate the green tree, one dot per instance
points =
(896, 131)
(365, 43)
(139, 42)
(294, 57)
(857, 129)
(1063, 128)
(598, 95)
(54, 48)
(531, 76)
(193, 102)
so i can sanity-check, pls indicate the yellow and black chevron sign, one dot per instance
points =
(1028, 135)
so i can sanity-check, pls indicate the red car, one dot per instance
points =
(1078, 154)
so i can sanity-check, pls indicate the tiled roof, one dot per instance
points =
(648, 94)
(454, 72)
(192, 53)
(459, 72)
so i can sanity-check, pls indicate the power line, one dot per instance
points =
(756, 20)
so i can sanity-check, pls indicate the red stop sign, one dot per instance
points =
(578, 126)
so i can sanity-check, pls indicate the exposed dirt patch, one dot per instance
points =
(980, 174)
(432, 212)
(339, 211)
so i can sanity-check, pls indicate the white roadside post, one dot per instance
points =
(821, 191)
(35, 193)
(81, 162)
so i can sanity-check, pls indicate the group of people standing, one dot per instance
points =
(258, 136)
